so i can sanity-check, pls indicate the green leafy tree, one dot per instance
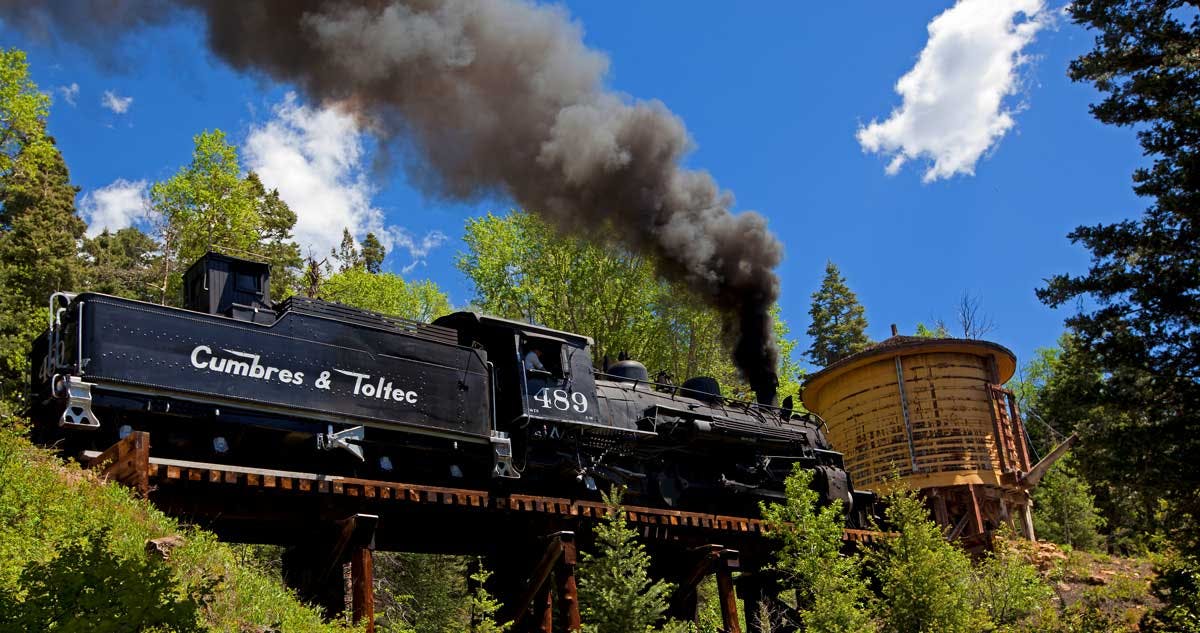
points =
(24, 147)
(209, 205)
(924, 580)
(839, 324)
(1065, 510)
(616, 593)
(521, 269)
(831, 593)
(1139, 315)
(938, 330)
(386, 293)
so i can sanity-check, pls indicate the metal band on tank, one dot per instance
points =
(912, 453)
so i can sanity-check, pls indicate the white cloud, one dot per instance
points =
(115, 206)
(69, 93)
(116, 103)
(954, 108)
(314, 157)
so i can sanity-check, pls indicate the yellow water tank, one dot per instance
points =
(931, 411)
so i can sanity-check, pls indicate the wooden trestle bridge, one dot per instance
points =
(332, 523)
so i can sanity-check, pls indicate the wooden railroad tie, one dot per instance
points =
(129, 462)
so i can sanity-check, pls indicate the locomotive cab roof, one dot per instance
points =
(464, 320)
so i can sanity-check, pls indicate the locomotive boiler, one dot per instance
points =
(305, 384)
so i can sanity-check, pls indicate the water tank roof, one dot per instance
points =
(900, 346)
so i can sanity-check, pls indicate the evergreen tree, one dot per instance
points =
(275, 244)
(831, 594)
(924, 580)
(39, 229)
(1065, 510)
(1140, 299)
(372, 253)
(616, 593)
(125, 264)
(346, 254)
(839, 327)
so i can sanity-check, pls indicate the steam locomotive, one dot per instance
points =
(306, 384)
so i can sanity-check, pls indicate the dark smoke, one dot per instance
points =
(491, 97)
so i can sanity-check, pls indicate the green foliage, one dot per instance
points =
(924, 580)
(86, 587)
(1064, 509)
(421, 593)
(839, 327)
(938, 330)
(38, 225)
(209, 205)
(616, 593)
(24, 146)
(1139, 302)
(1010, 590)
(831, 593)
(521, 269)
(124, 264)
(1177, 587)
(372, 253)
(386, 293)
(58, 522)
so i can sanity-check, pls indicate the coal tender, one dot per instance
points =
(469, 400)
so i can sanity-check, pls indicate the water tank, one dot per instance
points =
(932, 411)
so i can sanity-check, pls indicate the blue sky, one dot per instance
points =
(774, 96)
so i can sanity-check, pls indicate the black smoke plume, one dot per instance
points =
(488, 97)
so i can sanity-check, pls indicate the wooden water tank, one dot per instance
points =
(931, 411)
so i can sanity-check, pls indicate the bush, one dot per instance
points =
(1177, 585)
(72, 544)
(1009, 589)
(924, 581)
(832, 596)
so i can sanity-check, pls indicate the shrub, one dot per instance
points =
(924, 581)
(616, 593)
(832, 596)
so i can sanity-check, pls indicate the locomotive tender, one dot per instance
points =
(306, 384)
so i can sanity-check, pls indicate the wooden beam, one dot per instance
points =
(726, 593)
(362, 574)
(568, 594)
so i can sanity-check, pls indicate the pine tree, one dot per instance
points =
(1065, 510)
(275, 244)
(831, 593)
(616, 593)
(1139, 319)
(372, 253)
(38, 256)
(124, 263)
(346, 254)
(838, 323)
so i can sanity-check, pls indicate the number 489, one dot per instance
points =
(558, 399)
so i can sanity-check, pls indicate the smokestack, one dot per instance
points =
(895, 332)
(493, 97)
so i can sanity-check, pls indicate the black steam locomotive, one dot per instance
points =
(305, 384)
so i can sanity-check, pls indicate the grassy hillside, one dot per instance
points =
(73, 557)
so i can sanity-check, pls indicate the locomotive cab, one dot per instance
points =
(562, 391)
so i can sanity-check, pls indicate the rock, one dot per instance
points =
(161, 547)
